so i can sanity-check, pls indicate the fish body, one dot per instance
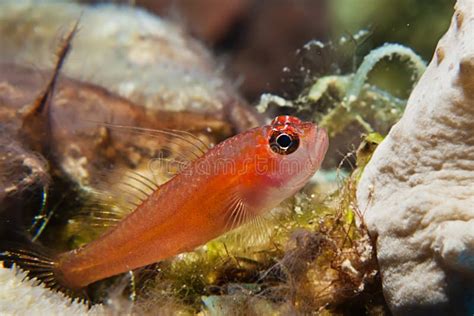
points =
(233, 183)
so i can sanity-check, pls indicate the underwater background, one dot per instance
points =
(213, 69)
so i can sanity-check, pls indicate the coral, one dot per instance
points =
(417, 192)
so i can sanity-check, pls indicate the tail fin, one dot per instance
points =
(39, 264)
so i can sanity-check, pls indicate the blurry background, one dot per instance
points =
(256, 39)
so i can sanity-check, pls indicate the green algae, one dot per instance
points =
(350, 97)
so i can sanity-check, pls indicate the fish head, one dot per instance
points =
(288, 152)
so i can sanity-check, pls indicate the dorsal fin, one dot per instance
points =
(118, 192)
(112, 200)
(194, 144)
(177, 149)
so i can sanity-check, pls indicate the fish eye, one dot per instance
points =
(284, 143)
(284, 140)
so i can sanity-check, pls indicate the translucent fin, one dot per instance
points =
(236, 213)
(114, 199)
(40, 265)
(117, 191)
(256, 231)
(159, 154)
(191, 147)
(244, 226)
(125, 190)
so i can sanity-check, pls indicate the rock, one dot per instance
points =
(417, 192)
